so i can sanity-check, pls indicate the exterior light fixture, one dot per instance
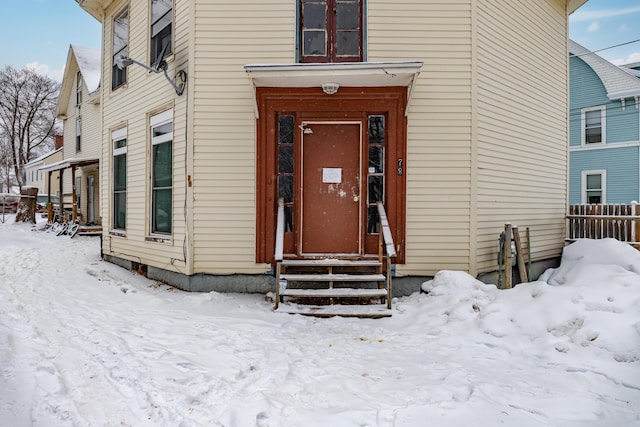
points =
(330, 88)
(123, 62)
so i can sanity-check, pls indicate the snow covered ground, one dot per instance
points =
(86, 343)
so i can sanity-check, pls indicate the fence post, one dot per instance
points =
(635, 226)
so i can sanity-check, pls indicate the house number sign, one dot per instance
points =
(400, 167)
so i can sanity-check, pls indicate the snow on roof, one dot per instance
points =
(89, 63)
(618, 82)
(44, 156)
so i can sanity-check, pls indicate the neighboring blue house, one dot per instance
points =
(604, 129)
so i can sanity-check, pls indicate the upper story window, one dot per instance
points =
(331, 30)
(78, 88)
(120, 47)
(593, 126)
(161, 28)
(78, 134)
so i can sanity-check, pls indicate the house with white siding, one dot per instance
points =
(213, 111)
(604, 117)
(79, 109)
(36, 178)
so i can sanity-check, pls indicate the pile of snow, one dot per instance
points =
(84, 342)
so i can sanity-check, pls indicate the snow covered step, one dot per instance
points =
(368, 311)
(333, 277)
(334, 293)
(330, 262)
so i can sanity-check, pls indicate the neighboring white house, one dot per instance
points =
(333, 106)
(79, 109)
(35, 177)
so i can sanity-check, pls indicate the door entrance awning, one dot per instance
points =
(346, 74)
(67, 163)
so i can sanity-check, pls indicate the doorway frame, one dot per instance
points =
(300, 207)
(311, 104)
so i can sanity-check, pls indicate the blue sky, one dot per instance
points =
(38, 32)
(603, 23)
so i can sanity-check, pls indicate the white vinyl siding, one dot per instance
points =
(228, 35)
(146, 95)
(438, 163)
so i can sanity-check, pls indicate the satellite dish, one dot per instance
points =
(161, 61)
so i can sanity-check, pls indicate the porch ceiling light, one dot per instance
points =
(330, 88)
(123, 62)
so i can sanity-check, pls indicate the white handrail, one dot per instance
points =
(279, 251)
(386, 231)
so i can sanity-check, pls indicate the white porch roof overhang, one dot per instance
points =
(68, 163)
(348, 74)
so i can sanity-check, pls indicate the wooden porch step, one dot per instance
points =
(364, 311)
(330, 262)
(333, 277)
(334, 293)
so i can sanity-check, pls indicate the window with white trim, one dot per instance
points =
(78, 134)
(119, 139)
(120, 47)
(594, 185)
(161, 29)
(593, 125)
(78, 88)
(161, 172)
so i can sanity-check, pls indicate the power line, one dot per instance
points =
(607, 48)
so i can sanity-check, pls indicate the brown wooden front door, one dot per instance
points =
(331, 188)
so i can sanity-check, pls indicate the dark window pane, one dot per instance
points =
(161, 221)
(376, 129)
(348, 42)
(285, 159)
(288, 219)
(120, 143)
(162, 165)
(373, 220)
(119, 210)
(376, 189)
(348, 15)
(593, 135)
(594, 182)
(158, 43)
(285, 188)
(285, 129)
(314, 16)
(120, 172)
(594, 197)
(376, 159)
(314, 42)
(162, 129)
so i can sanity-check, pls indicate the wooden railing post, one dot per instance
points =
(279, 249)
(389, 247)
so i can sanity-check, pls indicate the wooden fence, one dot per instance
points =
(621, 222)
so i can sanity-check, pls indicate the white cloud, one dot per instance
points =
(592, 15)
(631, 58)
(46, 70)
(595, 26)
(634, 57)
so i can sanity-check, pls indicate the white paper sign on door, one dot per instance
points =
(332, 175)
